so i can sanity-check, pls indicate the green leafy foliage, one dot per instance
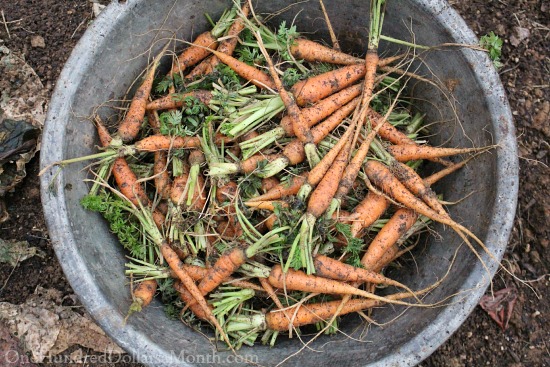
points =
(186, 122)
(175, 80)
(492, 43)
(249, 54)
(285, 37)
(354, 245)
(121, 223)
(249, 185)
(290, 77)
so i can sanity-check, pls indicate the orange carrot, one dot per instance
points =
(126, 181)
(299, 281)
(227, 192)
(195, 53)
(175, 264)
(225, 266)
(405, 153)
(162, 176)
(397, 226)
(248, 72)
(104, 136)
(306, 314)
(227, 46)
(323, 85)
(315, 52)
(328, 267)
(299, 125)
(269, 183)
(266, 205)
(142, 296)
(324, 192)
(367, 212)
(294, 152)
(130, 126)
(154, 143)
(189, 301)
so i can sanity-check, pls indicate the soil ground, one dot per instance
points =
(525, 76)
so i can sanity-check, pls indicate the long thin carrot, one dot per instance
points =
(130, 126)
(174, 262)
(228, 44)
(307, 314)
(312, 114)
(299, 281)
(299, 124)
(405, 153)
(382, 177)
(374, 205)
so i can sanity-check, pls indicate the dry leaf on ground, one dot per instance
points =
(14, 252)
(47, 328)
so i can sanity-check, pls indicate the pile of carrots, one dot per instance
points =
(265, 181)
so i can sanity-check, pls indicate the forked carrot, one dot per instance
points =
(328, 267)
(299, 281)
(189, 301)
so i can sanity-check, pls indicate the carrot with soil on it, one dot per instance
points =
(142, 296)
(199, 49)
(321, 86)
(405, 153)
(328, 267)
(129, 128)
(296, 280)
(189, 301)
(227, 45)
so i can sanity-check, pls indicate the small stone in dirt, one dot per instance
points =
(520, 34)
(38, 41)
